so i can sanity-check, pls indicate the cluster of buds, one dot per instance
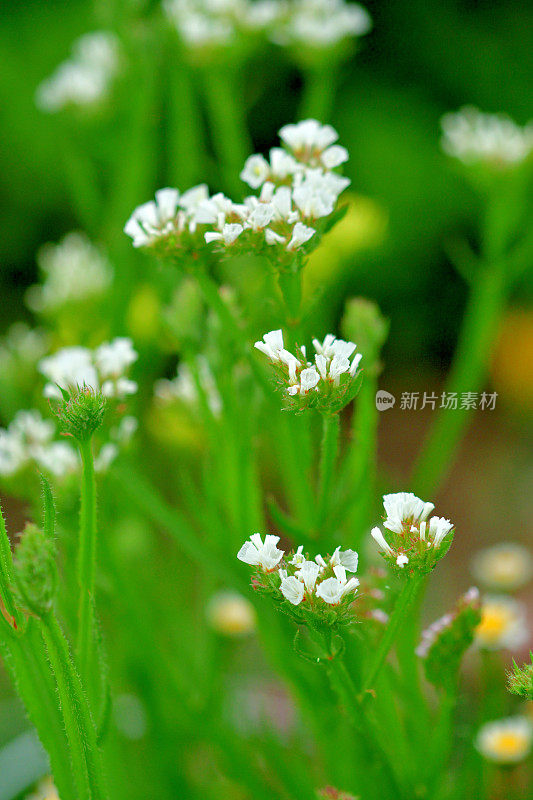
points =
(312, 592)
(520, 680)
(297, 202)
(413, 543)
(444, 643)
(328, 384)
(81, 412)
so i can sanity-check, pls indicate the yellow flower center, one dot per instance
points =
(510, 744)
(494, 622)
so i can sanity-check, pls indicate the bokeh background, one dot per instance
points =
(422, 58)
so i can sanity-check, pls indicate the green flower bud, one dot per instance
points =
(445, 642)
(35, 570)
(520, 680)
(364, 323)
(81, 412)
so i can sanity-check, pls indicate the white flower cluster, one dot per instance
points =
(323, 384)
(187, 383)
(297, 186)
(31, 440)
(104, 368)
(506, 741)
(73, 270)
(475, 137)
(415, 540)
(310, 23)
(83, 79)
(301, 580)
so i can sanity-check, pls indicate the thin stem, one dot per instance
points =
(328, 457)
(485, 305)
(320, 83)
(403, 604)
(290, 284)
(228, 122)
(86, 561)
(79, 726)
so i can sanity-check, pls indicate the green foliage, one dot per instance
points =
(35, 570)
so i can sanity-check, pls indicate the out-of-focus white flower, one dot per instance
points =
(86, 77)
(475, 137)
(184, 386)
(29, 439)
(73, 270)
(505, 741)
(103, 369)
(321, 24)
(308, 136)
(506, 566)
(255, 171)
(22, 345)
(265, 555)
(12, 453)
(57, 458)
(503, 624)
(231, 614)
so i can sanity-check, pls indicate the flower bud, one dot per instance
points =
(446, 640)
(81, 412)
(520, 681)
(35, 570)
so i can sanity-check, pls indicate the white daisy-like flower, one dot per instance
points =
(261, 554)
(505, 567)
(506, 741)
(503, 624)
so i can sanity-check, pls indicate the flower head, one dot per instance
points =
(328, 384)
(413, 543)
(505, 741)
(491, 139)
(261, 554)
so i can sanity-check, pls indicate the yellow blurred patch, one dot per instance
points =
(364, 226)
(144, 314)
(512, 363)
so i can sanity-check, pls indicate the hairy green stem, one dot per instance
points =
(86, 561)
(403, 603)
(79, 725)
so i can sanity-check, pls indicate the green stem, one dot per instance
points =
(328, 457)
(320, 83)
(79, 725)
(290, 284)
(484, 308)
(228, 122)
(186, 145)
(86, 561)
(403, 604)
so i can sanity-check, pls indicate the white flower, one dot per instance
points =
(438, 528)
(403, 507)
(184, 386)
(402, 560)
(506, 741)
(261, 216)
(308, 573)
(154, 219)
(380, 539)
(334, 156)
(292, 589)
(345, 558)
(309, 379)
(473, 137)
(503, 624)
(506, 566)
(230, 233)
(271, 237)
(70, 366)
(105, 457)
(298, 558)
(266, 555)
(271, 345)
(300, 235)
(322, 23)
(282, 164)
(73, 270)
(308, 135)
(13, 454)
(332, 590)
(114, 358)
(256, 171)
